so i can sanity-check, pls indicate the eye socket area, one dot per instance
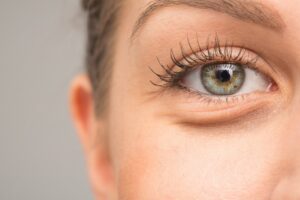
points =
(235, 77)
(239, 83)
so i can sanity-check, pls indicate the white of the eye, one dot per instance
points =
(254, 81)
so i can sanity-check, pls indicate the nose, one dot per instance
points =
(288, 186)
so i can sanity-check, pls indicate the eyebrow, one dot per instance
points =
(249, 11)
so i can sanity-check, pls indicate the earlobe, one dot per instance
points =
(91, 132)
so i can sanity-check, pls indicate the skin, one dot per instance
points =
(171, 145)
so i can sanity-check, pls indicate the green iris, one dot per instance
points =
(223, 79)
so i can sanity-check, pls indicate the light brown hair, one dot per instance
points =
(101, 26)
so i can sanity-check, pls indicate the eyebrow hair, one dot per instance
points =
(245, 10)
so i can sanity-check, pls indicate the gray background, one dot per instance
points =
(41, 48)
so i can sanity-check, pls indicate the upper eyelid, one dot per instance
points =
(217, 44)
(214, 51)
(210, 52)
(171, 67)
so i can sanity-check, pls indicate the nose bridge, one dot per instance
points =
(293, 130)
(294, 142)
(288, 187)
(293, 124)
(294, 115)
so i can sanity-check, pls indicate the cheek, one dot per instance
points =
(159, 160)
(155, 158)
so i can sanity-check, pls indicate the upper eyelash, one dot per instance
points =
(206, 55)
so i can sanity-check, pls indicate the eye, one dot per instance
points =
(223, 79)
(216, 83)
(217, 71)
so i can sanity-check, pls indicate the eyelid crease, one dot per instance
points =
(216, 50)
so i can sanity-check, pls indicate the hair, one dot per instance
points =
(101, 28)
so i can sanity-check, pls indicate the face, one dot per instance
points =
(204, 103)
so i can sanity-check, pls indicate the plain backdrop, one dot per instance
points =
(42, 45)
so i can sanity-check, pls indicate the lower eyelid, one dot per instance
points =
(194, 110)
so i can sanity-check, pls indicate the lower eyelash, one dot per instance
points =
(208, 99)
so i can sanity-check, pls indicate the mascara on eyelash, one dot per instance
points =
(213, 53)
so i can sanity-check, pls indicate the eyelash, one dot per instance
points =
(211, 54)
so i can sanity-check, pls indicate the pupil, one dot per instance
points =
(223, 75)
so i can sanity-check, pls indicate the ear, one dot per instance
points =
(91, 132)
